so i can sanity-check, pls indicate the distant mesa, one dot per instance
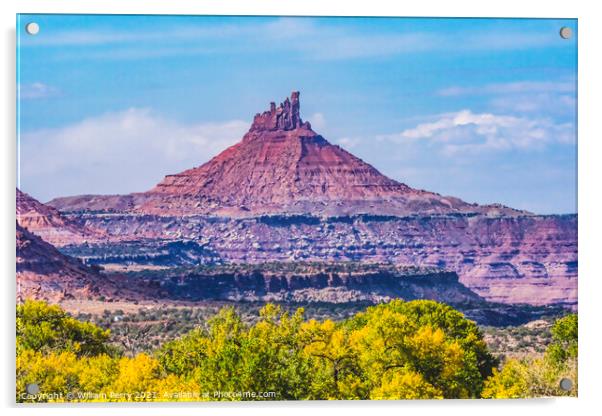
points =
(281, 166)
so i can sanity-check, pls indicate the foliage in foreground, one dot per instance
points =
(400, 350)
(540, 377)
(48, 328)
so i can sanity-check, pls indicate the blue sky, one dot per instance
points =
(482, 109)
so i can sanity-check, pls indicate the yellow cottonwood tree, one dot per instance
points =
(398, 350)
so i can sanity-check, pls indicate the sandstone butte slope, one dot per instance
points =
(280, 166)
(45, 273)
(47, 223)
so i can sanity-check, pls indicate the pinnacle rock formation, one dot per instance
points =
(284, 117)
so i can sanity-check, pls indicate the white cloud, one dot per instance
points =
(36, 90)
(465, 132)
(339, 45)
(327, 42)
(118, 152)
(511, 88)
(348, 142)
(555, 98)
(312, 39)
(548, 103)
(318, 121)
(90, 37)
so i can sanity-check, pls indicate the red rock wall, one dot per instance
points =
(529, 259)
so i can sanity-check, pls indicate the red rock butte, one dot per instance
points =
(280, 166)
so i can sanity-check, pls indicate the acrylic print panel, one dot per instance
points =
(277, 208)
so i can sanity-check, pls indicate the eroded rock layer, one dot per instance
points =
(45, 273)
(526, 259)
(47, 223)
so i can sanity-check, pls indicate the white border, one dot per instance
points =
(590, 206)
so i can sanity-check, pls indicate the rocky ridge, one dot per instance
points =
(49, 224)
(45, 273)
(526, 259)
(311, 282)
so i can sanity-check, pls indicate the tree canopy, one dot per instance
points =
(537, 377)
(398, 350)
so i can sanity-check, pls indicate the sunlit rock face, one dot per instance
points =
(47, 223)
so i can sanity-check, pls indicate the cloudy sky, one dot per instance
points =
(479, 109)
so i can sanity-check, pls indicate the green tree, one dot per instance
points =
(272, 359)
(336, 370)
(45, 328)
(565, 333)
(229, 356)
(399, 350)
(540, 377)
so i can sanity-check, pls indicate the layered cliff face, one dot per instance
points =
(45, 273)
(526, 259)
(47, 223)
(314, 282)
(281, 164)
